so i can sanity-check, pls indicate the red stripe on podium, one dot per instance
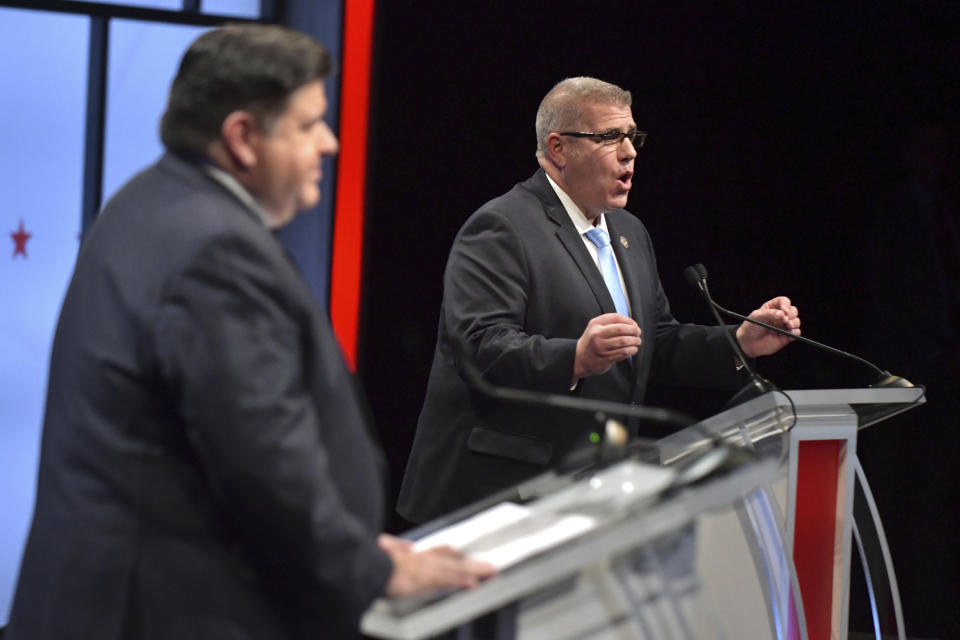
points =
(814, 534)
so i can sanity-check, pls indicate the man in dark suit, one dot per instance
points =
(526, 294)
(206, 469)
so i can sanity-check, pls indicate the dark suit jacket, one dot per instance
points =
(205, 470)
(521, 287)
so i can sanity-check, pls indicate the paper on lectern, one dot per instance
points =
(507, 533)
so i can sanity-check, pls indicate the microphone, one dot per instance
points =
(605, 449)
(554, 400)
(697, 276)
(615, 445)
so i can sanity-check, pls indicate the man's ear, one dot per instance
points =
(557, 150)
(239, 133)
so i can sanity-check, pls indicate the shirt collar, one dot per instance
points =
(231, 184)
(576, 215)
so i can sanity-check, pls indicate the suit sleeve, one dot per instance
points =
(232, 351)
(688, 354)
(486, 288)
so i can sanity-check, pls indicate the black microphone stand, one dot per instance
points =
(884, 378)
(757, 385)
(613, 445)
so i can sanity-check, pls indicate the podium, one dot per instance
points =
(817, 499)
(635, 574)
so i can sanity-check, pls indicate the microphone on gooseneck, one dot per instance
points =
(699, 279)
(608, 445)
(616, 443)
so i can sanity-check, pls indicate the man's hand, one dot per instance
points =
(607, 339)
(437, 568)
(757, 341)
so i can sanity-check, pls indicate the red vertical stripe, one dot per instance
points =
(814, 534)
(351, 174)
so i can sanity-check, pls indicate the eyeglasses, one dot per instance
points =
(614, 137)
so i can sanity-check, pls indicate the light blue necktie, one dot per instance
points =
(608, 267)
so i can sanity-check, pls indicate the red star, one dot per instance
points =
(20, 238)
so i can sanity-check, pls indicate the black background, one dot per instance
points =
(780, 138)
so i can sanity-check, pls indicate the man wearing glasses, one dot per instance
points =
(553, 287)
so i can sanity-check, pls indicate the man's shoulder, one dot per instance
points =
(623, 220)
(525, 199)
(172, 214)
(623, 217)
(168, 172)
(178, 193)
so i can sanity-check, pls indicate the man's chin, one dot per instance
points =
(618, 202)
(280, 220)
(308, 200)
(282, 216)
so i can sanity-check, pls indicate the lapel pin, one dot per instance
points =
(623, 241)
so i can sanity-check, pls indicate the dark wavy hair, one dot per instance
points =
(250, 67)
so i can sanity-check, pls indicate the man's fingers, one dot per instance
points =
(613, 318)
(614, 346)
(607, 339)
(450, 568)
(611, 321)
(615, 329)
(782, 306)
(467, 573)
(776, 317)
(392, 544)
(622, 354)
(780, 302)
(777, 312)
(795, 325)
(436, 568)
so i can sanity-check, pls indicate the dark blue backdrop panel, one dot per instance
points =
(309, 236)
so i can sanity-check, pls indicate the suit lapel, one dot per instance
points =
(571, 240)
(626, 260)
(628, 263)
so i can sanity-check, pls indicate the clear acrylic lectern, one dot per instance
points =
(707, 551)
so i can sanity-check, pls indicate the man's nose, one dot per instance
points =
(327, 143)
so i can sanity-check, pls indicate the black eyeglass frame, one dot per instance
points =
(616, 137)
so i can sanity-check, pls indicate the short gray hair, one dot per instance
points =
(562, 107)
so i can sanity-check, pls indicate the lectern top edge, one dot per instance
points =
(772, 414)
